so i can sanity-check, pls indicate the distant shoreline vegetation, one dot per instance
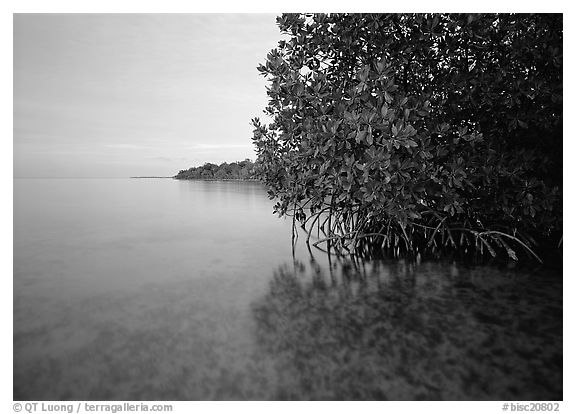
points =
(234, 171)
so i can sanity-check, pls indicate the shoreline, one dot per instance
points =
(215, 179)
(151, 176)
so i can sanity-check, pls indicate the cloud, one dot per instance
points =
(127, 146)
(219, 146)
(128, 88)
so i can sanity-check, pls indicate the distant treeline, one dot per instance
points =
(239, 170)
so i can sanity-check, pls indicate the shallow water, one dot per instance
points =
(161, 289)
(402, 331)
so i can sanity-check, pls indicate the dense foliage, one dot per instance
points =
(420, 132)
(241, 170)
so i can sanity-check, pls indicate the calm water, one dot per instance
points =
(162, 289)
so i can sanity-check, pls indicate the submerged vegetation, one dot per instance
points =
(401, 331)
(240, 170)
(417, 133)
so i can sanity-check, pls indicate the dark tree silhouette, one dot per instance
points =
(417, 132)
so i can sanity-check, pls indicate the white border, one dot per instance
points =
(182, 6)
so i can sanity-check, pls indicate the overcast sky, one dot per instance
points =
(99, 95)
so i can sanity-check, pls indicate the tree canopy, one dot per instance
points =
(417, 132)
(239, 170)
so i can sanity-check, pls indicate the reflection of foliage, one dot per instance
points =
(417, 131)
(241, 170)
(397, 334)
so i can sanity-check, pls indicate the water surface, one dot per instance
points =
(122, 288)
(148, 289)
